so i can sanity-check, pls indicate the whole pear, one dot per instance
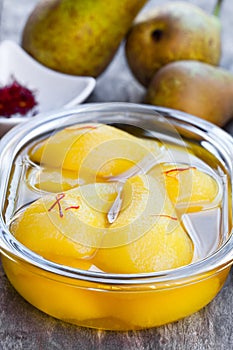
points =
(171, 32)
(78, 37)
(194, 87)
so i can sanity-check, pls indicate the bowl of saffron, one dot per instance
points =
(27, 88)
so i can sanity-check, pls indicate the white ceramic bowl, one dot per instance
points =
(53, 90)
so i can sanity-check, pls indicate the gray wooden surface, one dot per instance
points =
(24, 327)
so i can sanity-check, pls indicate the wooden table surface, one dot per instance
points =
(24, 327)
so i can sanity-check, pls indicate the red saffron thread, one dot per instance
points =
(57, 202)
(15, 98)
(73, 207)
(177, 170)
(83, 127)
(166, 216)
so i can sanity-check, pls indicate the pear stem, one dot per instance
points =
(217, 8)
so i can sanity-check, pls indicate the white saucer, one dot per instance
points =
(53, 90)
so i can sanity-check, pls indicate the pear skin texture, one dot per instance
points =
(196, 88)
(174, 31)
(78, 37)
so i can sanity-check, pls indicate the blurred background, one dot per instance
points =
(117, 82)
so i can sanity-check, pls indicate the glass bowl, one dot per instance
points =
(121, 301)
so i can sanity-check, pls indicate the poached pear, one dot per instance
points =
(78, 37)
(72, 228)
(170, 32)
(194, 87)
(91, 151)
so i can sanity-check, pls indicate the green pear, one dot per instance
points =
(194, 87)
(171, 32)
(78, 37)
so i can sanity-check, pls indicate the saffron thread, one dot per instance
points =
(177, 170)
(166, 216)
(16, 98)
(73, 207)
(83, 127)
(59, 197)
